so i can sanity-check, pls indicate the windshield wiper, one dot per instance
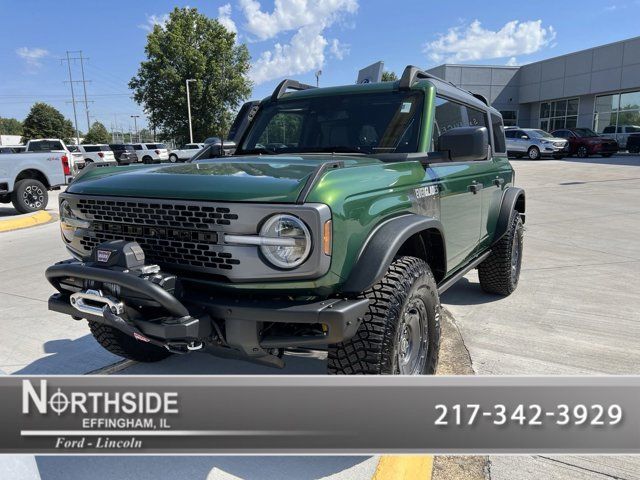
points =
(336, 149)
(268, 151)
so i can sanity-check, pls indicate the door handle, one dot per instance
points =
(475, 187)
(498, 181)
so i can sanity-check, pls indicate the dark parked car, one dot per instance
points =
(584, 142)
(633, 143)
(124, 153)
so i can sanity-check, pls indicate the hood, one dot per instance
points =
(275, 179)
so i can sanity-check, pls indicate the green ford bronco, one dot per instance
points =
(334, 219)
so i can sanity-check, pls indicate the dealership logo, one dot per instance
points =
(104, 255)
(40, 399)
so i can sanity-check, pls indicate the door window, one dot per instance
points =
(450, 114)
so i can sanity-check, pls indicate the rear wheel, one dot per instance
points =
(173, 158)
(500, 272)
(533, 153)
(29, 195)
(400, 334)
(582, 151)
(147, 159)
(121, 344)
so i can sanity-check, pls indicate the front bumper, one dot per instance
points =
(196, 318)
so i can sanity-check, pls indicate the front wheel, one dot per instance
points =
(400, 334)
(123, 345)
(533, 153)
(29, 195)
(582, 151)
(500, 272)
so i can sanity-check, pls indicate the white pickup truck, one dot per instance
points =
(26, 178)
(76, 160)
(185, 153)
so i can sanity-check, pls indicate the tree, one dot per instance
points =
(44, 121)
(388, 76)
(192, 46)
(10, 126)
(97, 134)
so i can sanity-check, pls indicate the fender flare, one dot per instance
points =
(382, 246)
(511, 196)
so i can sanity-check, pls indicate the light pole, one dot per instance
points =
(135, 125)
(318, 73)
(189, 109)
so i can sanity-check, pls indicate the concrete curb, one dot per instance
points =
(404, 467)
(25, 221)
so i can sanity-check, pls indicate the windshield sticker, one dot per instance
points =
(406, 107)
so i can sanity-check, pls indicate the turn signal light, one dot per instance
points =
(326, 237)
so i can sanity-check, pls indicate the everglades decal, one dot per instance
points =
(426, 200)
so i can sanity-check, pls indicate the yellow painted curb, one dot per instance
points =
(37, 218)
(404, 467)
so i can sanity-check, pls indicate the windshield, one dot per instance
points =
(540, 134)
(386, 122)
(585, 132)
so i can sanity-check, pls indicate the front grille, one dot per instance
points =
(170, 232)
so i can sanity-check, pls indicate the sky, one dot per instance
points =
(286, 39)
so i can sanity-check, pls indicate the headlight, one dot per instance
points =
(69, 222)
(291, 242)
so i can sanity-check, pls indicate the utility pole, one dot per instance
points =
(73, 100)
(135, 126)
(189, 109)
(84, 85)
(318, 73)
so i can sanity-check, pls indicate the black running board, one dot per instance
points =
(444, 286)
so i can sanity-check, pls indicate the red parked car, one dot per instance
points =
(584, 142)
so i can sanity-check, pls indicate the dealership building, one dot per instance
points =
(595, 88)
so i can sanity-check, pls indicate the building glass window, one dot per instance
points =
(617, 115)
(559, 114)
(509, 117)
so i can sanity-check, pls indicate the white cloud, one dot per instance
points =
(477, 43)
(224, 17)
(305, 52)
(338, 49)
(512, 62)
(153, 20)
(292, 14)
(306, 49)
(32, 56)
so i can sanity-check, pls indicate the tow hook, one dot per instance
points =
(183, 347)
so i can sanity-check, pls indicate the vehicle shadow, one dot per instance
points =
(196, 467)
(70, 357)
(7, 211)
(466, 292)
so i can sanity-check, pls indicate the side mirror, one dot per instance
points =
(215, 150)
(465, 144)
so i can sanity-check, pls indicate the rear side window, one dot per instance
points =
(105, 148)
(91, 148)
(137, 147)
(151, 146)
(499, 145)
(161, 146)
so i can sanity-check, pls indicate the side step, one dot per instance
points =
(443, 287)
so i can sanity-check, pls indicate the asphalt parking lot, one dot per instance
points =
(576, 311)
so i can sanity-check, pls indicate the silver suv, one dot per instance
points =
(534, 143)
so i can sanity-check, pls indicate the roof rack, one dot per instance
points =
(480, 97)
(411, 74)
(288, 85)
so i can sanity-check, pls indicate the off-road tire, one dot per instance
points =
(121, 344)
(495, 272)
(533, 153)
(23, 196)
(373, 350)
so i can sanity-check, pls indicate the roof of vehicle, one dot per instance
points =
(412, 78)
